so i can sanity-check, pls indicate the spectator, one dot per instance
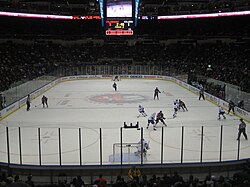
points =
(101, 181)
(177, 179)
(96, 184)
(73, 182)
(17, 179)
(144, 181)
(30, 181)
(79, 182)
(120, 182)
(223, 183)
(134, 173)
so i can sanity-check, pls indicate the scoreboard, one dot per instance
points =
(119, 27)
(119, 17)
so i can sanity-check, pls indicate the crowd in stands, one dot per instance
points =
(225, 62)
(239, 179)
(171, 7)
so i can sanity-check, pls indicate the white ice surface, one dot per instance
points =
(91, 105)
(119, 11)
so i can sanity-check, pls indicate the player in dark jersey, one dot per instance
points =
(28, 102)
(201, 92)
(156, 93)
(182, 105)
(160, 117)
(115, 86)
(231, 106)
(116, 78)
(45, 101)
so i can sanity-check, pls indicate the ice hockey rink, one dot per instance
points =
(82, 112)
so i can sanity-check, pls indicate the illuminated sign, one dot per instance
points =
(119, 27)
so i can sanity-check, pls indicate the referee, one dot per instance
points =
(242, 129)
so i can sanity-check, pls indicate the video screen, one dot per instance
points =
(119, 8)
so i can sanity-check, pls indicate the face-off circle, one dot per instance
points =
(118, 98)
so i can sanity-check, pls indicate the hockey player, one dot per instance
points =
(45, 101)
(116, 78)
(156, 93)
(221, 112)
(141, 111)
(201, 92)
(151, 120)
(28, 102)
(115, 86)
(182, 105)
(231, 106)
(160, 117)
(175, 109)
(177, 104)
(142, 147)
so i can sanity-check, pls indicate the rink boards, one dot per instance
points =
(85, 117)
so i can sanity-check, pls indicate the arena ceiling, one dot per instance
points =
(147, 7)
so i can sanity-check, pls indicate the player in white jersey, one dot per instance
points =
(142, 147)
(177, 104)
(175, 109)
(221, 112)
(151, 120)
(141, 111)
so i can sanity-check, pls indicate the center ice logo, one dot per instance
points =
(118, 98)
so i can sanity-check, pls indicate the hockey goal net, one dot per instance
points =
(116, 78)
(128, 152)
